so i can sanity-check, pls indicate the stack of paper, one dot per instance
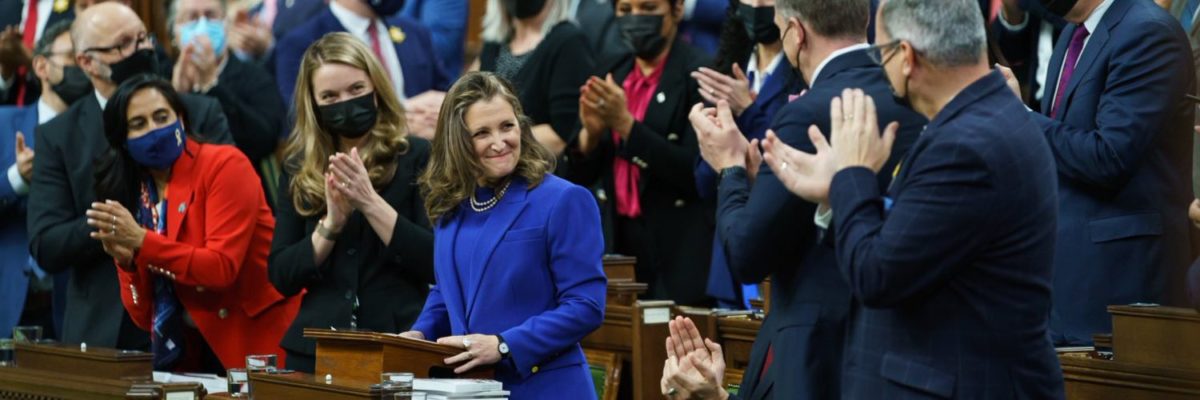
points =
(460, 389)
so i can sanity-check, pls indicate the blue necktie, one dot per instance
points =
(1189, 14)
(167, 333)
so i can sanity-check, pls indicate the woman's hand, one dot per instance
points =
(413, 335)
(612, 104)
(115, 226)
(477, 350)
(122, 254)
(352, 180)
(337, 209)
(715, 86)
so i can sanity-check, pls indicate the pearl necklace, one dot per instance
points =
(481, 206)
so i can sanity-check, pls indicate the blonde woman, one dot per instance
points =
(518, 251)
(353, 232)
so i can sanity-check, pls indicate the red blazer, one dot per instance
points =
(219, 231)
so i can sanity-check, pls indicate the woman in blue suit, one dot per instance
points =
(517, 251)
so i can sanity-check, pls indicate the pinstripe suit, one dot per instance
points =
(952, 281)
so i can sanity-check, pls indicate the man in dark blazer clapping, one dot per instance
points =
(110, 45)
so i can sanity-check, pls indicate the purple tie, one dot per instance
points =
(1076, 47)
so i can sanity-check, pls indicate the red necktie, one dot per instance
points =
(1073, 51)
(376, 47)
(31, 23)
(767, 362)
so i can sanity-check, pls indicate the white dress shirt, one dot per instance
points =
(760, 77)
(357, 26)
(1092, 22)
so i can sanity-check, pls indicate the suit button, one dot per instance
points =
(351, 252)
(673, 137)
(349, 295)
(534, 369)
(679, 203)
(223, 313)
(199, 289)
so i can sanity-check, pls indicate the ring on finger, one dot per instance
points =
(783, 167)
(672, 391)
(467, 344)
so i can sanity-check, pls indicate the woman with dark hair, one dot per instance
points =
(752, 76)
(188, 233)
(637, 140)
(517, 252)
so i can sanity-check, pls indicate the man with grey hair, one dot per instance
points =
(110, 45)
(951, 266)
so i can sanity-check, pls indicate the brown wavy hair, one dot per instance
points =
(309, 146)
(454, 168)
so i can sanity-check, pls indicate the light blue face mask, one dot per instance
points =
(215, 31)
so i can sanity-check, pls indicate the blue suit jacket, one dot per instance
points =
(1122, 141)
(952, 282)
(542, 286)
(767, 231)
(418, 60)
(14, 242)
(447, 20)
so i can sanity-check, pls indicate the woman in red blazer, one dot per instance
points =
(189, 229)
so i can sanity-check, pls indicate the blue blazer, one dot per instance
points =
(14, 241)
(951, 277)
(767, 231)
(1122, 142)
(542, 287)
(418, 60)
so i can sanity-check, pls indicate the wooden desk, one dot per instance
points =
(619, 268)
(26, 383)
(299, 385)
(1090, 378)
(1156, 355)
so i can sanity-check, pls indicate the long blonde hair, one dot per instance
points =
(454, 168)
(309, 146)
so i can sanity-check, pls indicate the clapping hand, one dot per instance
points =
(721, 143)
(116, 229)
(24, 158)
(196, 68)
(249, 35)
(610, 105)
(735, 90)
(421, 113)
(13, 53)
(695, 367)
(353, 182)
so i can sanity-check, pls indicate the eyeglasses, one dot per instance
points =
(127, 46)
(876, 52)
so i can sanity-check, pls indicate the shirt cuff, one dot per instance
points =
(1011, 27)
(822, 218)
(20, 187)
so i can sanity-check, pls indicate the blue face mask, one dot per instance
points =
(214, 30)
(159, 148)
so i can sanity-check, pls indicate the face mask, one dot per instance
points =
(350, 118)
(143, 61)
(203, 27)
(385, 8)
(759, 23)
(901, 100)
(643, 34)
(522, 9)
(73, 86)
(159, 148)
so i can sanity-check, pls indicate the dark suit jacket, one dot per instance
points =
(388, 282)
(951, 272)
(11, 13)
(14, 243)
(665, 148)
(1122, 142)
(418, 60)
(62, 190)
(549, 80)
(252, 105)
(767, 231)
(290, 14)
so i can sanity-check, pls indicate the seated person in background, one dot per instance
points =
(110, 45)
(518, 255)
(19, 35)
(246, 91)
(188, 233)
(534, 45)
(352, 229)
(752, 75)
(636, 137)
(402, 46)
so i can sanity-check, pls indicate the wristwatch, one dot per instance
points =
(502, 347)
(326, 233)
(725, 172)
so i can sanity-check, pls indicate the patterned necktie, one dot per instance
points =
(167, 334)
(1069, 63)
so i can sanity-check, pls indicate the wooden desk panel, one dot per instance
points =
(26, 383)
(300, 385)
(1088, 378)
(737, 339)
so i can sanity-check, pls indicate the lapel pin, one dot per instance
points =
(182, 207)
(397, 35)
(661, 97)
(672, 137)
(61, 5)
(289, 3)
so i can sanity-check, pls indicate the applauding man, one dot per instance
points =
(951, 268)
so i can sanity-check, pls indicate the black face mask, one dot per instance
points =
(643, 34)
(73, 86)
(384, 8)
(522, 9)
(350, 119)
(143, 61)
(759, 23)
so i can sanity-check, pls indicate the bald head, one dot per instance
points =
(102, 24)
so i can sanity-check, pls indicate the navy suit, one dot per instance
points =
(418, 60)
(767, 231)
(951, 278)
(1122, 141)
(540, 286)
(14, 242)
